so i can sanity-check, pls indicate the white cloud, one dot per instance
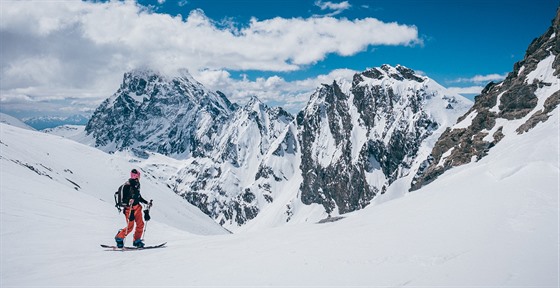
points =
(85, 47)
(477, 79)
(466, 90)
(481, 78)
(332, 6)
(487, 78)
(293, 95)
(336, 7)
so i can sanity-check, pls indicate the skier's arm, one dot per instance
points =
(140, 199)
(137, 195)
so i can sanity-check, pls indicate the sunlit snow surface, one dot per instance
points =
(489, 223)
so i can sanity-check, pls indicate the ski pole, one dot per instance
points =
(144, 233)
(147, 218)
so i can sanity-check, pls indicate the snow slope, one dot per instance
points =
(489, 223)
(73, 132)
(57, 204)
(7, 119)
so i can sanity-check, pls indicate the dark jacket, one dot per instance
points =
(135, 189)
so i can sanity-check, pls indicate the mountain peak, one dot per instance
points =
(254, 104)
(146, 72)
(143, 75)
(399, 73)
(170, 107)
(141, 72)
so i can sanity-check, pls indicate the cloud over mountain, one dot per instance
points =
(87, 45)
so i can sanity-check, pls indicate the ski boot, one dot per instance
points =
(120, 242)
(138, 243)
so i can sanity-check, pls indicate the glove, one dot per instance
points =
(147, 215)
(131, 216)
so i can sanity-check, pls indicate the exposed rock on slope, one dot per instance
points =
(526, 97)
(357, 138)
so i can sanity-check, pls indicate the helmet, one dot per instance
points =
(134, 174)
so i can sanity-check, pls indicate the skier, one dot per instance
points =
(133, 212)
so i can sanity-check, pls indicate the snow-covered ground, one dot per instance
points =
(7, 119)
(490, 223)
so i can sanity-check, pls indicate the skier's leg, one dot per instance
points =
(127, 229)
(139, 223)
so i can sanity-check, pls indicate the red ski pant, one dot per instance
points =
(137, 211)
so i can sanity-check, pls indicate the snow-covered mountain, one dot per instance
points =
(165, 114)
(357, 138)
(238, 160)
(221, 143)
(45, 122)
(221, 185)
(348, 145)
(516, 105)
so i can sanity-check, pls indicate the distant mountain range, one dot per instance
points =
(44, 122)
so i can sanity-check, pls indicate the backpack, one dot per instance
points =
(123, 196)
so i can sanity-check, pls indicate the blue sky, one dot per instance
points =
(461, 38)
(65, 57)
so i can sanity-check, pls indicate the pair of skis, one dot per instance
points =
(127, 248)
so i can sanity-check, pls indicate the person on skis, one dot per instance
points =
(133, 212)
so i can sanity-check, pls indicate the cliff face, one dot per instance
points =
(357, 138)
(526, 97)
(168, 115)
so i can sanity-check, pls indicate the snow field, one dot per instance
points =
(488, 223)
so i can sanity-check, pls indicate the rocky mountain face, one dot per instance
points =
(349, 144)
(220, 185)
(525, 98)
(357, 138)
(168, 115)
(221, 143)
